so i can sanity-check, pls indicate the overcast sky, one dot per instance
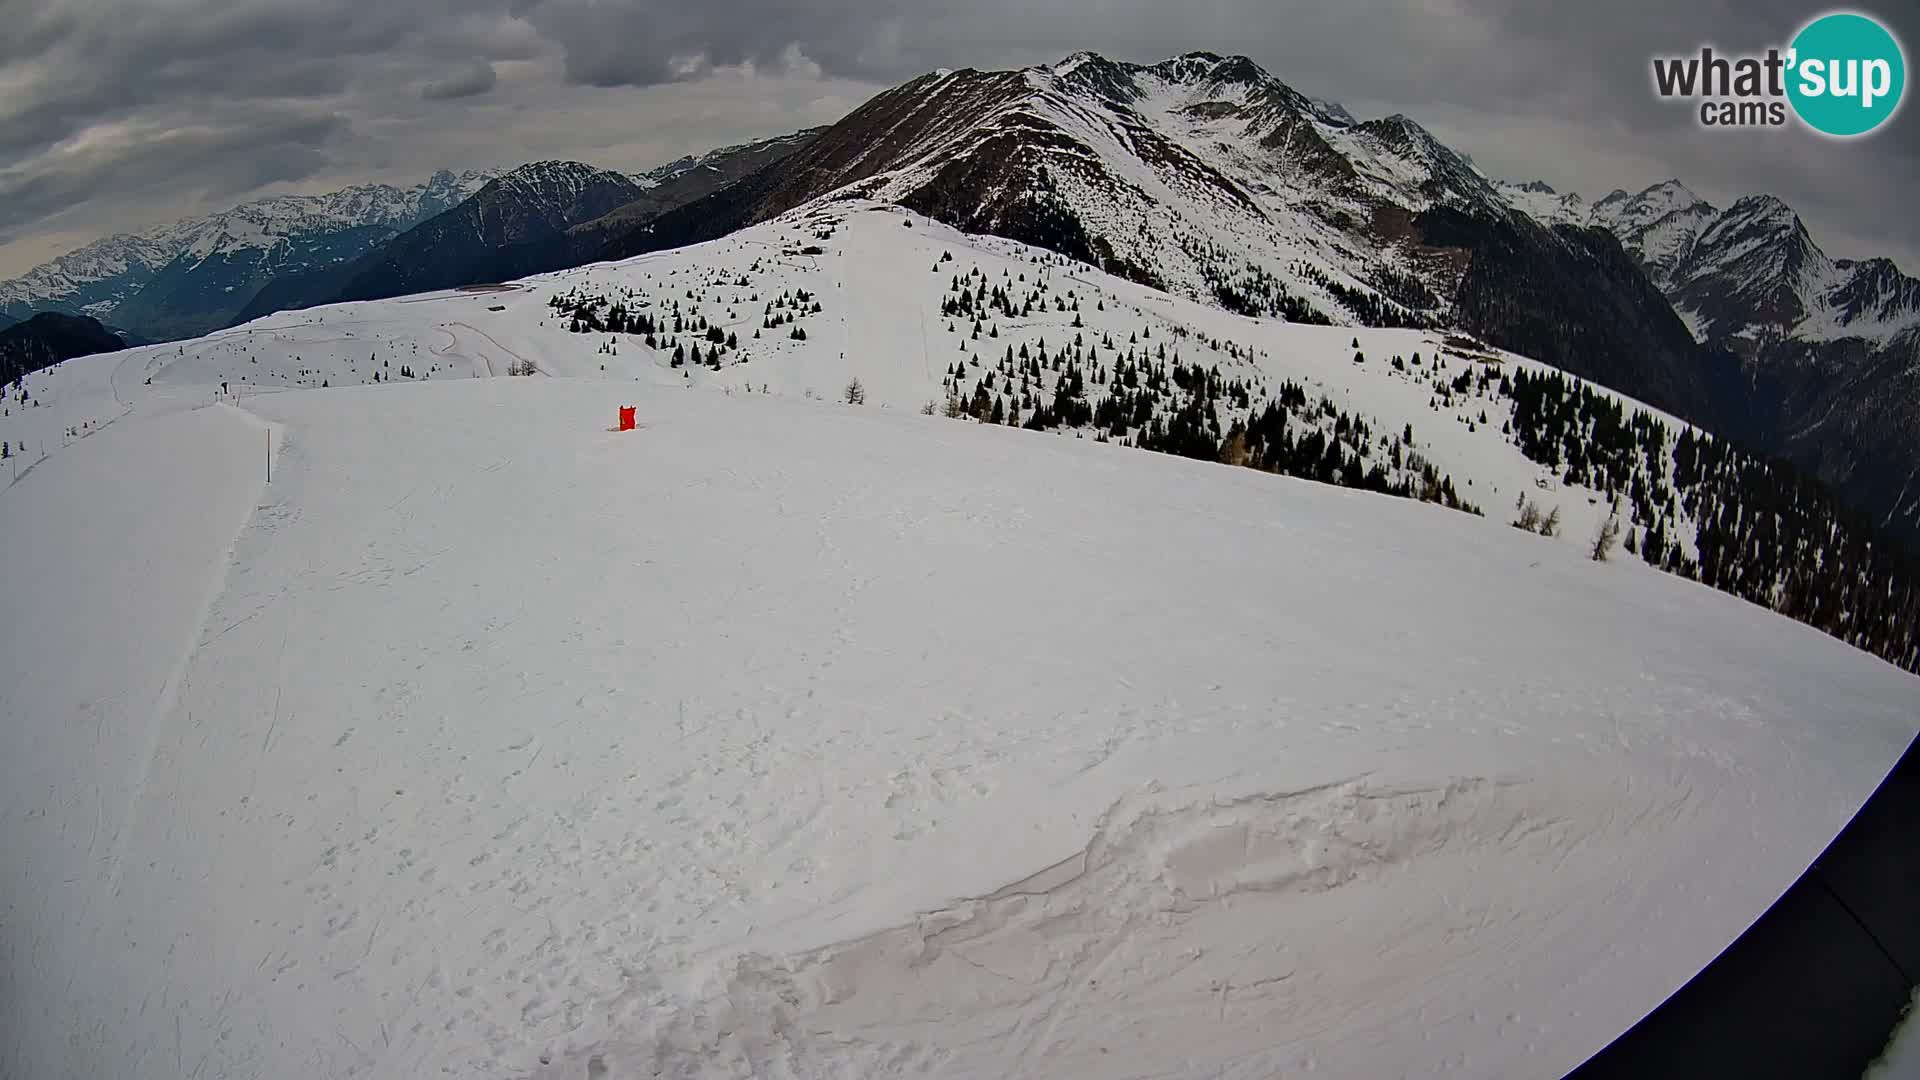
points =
(120, 113)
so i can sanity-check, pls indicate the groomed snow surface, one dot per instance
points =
(787, 738)
(1902, 1055)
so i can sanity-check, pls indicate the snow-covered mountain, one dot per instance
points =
(186, 277)
(1750, 274)
(1754, 277)
(95, 278)
(1830, 348)
(1206, 176)
(1202, 174)
(1658, 225)
(798, 733)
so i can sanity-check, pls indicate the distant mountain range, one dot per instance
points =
(543, 216)
(196, 275)
(1202, 175)
(191, 276)
(531, 204)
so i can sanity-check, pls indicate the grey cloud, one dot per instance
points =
(226, 155)
(120, 60)
(641, 42)
(32, 32)
(476, 79)
(1592, 95)
(101, 96)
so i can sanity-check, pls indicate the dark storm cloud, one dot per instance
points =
(1559, 91)
(478, 78)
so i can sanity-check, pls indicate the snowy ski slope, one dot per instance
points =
(789, 738)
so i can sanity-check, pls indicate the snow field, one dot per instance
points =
(785, 738)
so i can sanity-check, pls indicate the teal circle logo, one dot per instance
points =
(1847, 74)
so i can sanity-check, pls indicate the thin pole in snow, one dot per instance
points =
(269, 455)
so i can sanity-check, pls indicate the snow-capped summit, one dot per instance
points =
(1212, 70)
(1659, 225)
(1439, 175)
(559, 183)
(1750, 274)
(446, 745)
(1758, 238)
(1620, 210)
(1543, 203)
(1332, 112)
(1065, 67)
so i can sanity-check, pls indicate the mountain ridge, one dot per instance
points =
(203, 269)
(49, 338)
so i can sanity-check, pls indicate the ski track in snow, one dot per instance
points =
(170, 692)
(127, 577)
(785, 739)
